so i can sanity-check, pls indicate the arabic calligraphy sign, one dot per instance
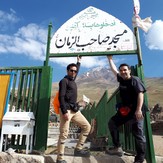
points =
(92, 30)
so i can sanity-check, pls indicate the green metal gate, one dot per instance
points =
(31, 91)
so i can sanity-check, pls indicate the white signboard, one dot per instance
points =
(92, 30)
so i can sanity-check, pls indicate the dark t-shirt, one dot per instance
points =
(129, 90)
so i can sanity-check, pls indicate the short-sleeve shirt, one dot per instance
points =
(129, 90)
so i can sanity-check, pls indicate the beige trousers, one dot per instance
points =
(81, 121)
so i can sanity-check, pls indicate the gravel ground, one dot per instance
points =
(96, 156)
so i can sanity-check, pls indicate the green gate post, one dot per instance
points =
(42, 115)
(150, 153)
(48, 45)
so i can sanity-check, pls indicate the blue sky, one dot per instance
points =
(24, 27)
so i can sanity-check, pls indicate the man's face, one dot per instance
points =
(72, 71)
(125, 72)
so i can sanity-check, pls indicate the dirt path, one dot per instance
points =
(157, 131)
(158, 145)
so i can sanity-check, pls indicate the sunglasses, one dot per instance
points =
(73, 70)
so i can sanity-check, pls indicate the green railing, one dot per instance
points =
(31, 91)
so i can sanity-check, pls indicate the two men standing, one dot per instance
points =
(131, 109)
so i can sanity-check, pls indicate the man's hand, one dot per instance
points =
(79, 58)
(109, 57)
(139, 114)
(66, 116)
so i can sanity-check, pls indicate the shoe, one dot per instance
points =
(138, 161)
(81, 153)
(115, 151)
(61, 161)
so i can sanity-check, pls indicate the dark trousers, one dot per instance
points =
(137, 129)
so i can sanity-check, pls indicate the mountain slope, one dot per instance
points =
(94, 83)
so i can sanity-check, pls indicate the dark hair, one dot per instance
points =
(124, 64)
(71, 65)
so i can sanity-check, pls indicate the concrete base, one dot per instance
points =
(102, 158)
(92, 159)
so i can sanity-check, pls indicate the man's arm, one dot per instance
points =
(112, 65)
(78, 65)
(79, 58)
(140, 101)
(62, 93)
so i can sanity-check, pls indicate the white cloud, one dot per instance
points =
(7, 19)
(34, 32)
(30, 40)
(87, 62)
(154, 38)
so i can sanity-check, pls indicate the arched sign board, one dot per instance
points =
(92, 31)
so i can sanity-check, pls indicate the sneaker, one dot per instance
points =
(115, 151)
(81, 153)
(61, 161)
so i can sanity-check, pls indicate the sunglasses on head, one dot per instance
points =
(73, 70)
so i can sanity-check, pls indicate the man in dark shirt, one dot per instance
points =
(69, 112)
(130, 109)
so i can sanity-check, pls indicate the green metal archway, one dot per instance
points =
(150, 149)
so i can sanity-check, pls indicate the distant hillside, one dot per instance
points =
(154, 90)
(94, 83)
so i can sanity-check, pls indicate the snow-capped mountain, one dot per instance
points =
(98, 74)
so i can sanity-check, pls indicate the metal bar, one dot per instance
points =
(136, 30)
(19, 68)
(48, 44)
(129, 52)
(13, 91)
(150, 153)
(19, 91)
(35, 92)
(30, 91)
(42, 115)
(25, 89)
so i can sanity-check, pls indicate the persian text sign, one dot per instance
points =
(92, 30)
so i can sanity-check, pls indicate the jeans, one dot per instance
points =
(81, 121)
(137, 129)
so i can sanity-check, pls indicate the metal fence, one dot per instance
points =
(31, 91)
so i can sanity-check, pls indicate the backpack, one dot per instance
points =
(56, 103)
